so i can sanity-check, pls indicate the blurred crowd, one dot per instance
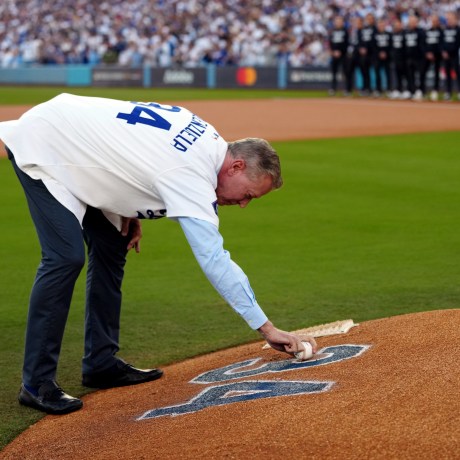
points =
(191, 33)
(161, 32)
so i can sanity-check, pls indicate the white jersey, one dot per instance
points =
(128, 159)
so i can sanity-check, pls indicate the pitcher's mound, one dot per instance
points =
(387, 389)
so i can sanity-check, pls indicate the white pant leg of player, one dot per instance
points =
(107, 250)
(63, 257)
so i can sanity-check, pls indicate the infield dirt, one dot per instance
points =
(297, 119)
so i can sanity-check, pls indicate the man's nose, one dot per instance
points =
(244, 203)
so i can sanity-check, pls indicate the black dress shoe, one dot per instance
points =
(51, 399)
(119, 375)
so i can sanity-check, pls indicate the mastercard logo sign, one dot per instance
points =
(246, 76)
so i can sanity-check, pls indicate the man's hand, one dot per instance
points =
(132, 228)
(284, 341)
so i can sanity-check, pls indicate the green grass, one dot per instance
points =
(363, 228)
(34, 95)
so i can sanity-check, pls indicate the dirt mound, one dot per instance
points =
(387, 389)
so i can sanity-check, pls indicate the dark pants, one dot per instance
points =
(400, 74)
(337, 65)
(365, 64)
(350, 65)
(63, 256)
(451, 64)
(436, 63)
(383, 67)
(414, 68)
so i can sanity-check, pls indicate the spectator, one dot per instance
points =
(366, 45)
(382, 57)
(450, 49)
(10, 58)
(352, 60)
(338, 43)
(398, 55)
(414, 39)
(130, 56)
(433, 43)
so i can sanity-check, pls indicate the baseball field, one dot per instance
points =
(365, 227)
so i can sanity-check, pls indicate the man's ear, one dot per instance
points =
(237, 166)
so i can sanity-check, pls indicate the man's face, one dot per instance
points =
(235, 187)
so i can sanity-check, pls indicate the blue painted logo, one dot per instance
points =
(248, 390)
(237, 392)
(327, 355)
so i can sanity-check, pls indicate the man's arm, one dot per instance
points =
(232, 284)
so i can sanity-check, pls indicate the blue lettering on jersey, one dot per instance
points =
(152, 119)
(149, 214)
(144, 114)
(216, 207)
(189, 134)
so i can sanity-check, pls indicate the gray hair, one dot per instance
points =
(260, 157)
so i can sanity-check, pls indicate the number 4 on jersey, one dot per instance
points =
(152, 118)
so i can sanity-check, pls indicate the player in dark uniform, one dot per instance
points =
(398, 57)
(450, 48)
(433, 41)
(352, 59)
(382, 55)
(414, 39)
(366, 45)
(338, 42)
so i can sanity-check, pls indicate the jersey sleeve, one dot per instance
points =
(224, 274)
(186, 193)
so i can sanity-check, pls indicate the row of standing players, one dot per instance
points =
(402, 57)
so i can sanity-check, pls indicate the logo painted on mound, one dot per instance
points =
(248, 390)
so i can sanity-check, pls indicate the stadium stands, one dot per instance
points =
(189, 33)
